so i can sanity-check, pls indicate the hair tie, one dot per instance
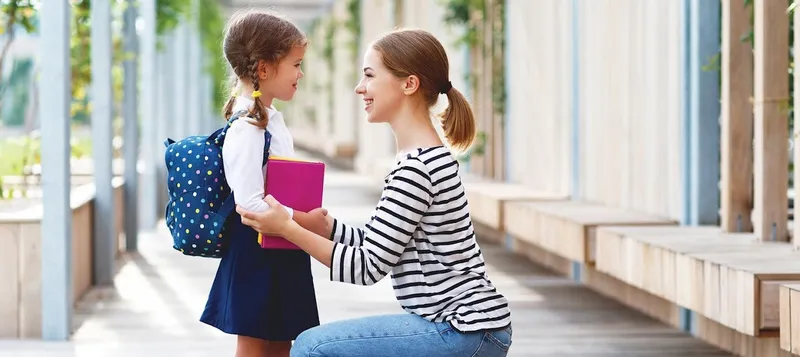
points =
(256, 94)
(446, 88)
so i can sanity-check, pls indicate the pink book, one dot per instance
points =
(296, 184)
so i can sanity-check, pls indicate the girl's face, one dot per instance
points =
(382, 92)
(281, 83)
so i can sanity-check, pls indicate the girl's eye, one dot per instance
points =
(369, 75)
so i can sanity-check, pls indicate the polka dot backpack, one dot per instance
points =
(200, 200)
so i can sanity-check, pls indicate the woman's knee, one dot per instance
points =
(304, 344)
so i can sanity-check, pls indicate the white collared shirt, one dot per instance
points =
(243, 153)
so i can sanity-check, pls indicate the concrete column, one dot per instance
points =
(130, 146)
(54, 111)
(194, 99)
(375, 141)
(180, 68)
(345, 78)
(102, 132)
(150, 143)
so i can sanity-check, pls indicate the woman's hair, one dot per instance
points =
(406, 52)
(253, 36)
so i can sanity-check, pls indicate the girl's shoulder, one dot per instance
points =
(245, 125)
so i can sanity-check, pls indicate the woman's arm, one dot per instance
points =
(345, 234)
(404, 202)
(242, 156)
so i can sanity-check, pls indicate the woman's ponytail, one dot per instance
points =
(458, 121)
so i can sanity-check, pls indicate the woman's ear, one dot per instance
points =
(410, 85)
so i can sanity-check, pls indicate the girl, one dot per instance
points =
(266, 297)
(421, 230)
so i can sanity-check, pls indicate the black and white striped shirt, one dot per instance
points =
(422, 233)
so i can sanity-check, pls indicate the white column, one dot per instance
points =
(151, 145)
(130, 146)
(375, 141)
(102, 111)
(195, 100)
(180, 68)
(54, 111)
(345, 77)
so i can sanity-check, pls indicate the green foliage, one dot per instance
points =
(169, 13)
(353, 24)
(21, 152)
(211, 26)
(460, 13)
(329, 42)
(17, 93)
(14, 14)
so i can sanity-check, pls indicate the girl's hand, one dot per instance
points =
(274, 221)
(320, 222)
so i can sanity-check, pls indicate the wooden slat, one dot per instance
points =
(568, 228)
(486, 199)
(737, 122)
(771, 134)
(730, 278)
(795, 220)
(790, 318)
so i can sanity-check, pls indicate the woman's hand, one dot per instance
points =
(274, 221)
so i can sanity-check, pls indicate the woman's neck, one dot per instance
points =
(413, 129)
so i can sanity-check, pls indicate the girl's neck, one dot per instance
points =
(247, 92)
(413, 129)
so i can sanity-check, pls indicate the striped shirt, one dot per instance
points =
(422, 233)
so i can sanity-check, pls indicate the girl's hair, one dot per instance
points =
(253, 36)
(408, 51)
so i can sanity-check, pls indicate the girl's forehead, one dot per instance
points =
(297, 52)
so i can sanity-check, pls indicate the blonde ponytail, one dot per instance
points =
(458, 121)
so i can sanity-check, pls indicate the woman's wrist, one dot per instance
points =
(291, 229)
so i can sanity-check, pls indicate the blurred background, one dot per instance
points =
(674, 113)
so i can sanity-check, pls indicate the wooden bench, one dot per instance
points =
(790, 318)
(567, 229)
(487, 199)
(729, 278)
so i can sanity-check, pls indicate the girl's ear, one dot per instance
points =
(410, 85)
(264, 70)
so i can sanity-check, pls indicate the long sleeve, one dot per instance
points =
(405, 200)
(242, 157)
(345, 234)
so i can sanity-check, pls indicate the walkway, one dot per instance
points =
(159, 294)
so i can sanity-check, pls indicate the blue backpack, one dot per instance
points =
(200, 200)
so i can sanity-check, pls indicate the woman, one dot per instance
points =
(421, 230)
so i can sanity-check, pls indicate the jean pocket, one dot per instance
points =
(500, 338)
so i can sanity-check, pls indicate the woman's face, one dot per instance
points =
(382, 92)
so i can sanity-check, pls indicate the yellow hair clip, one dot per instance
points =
(256, 94)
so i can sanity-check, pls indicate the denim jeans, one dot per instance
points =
(398, 335)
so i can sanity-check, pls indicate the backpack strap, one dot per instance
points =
(229, 203)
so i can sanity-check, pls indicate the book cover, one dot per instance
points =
(297, 184)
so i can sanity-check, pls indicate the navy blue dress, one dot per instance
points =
(261, 293)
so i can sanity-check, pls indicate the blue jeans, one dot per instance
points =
(398, 335)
